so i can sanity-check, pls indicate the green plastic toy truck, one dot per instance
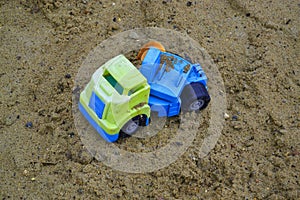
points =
(116, 98)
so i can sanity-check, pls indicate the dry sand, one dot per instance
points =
(255, 45)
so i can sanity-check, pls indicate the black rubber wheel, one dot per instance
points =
(131, 126)
(143, 120)
(194, 97)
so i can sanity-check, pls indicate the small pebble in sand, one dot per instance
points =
(25, 172)
(80, 191)
(226, 116)
(71, 135)
(189, 3)
(234, 117)
(29, 124)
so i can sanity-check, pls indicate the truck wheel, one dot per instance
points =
(143, 51)
(194, 97)
(131, 126)
(196, 105)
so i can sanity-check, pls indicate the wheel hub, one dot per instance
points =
(196, 105)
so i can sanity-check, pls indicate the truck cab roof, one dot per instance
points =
(121, 70)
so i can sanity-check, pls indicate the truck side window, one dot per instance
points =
(113, 82)
(134, 90)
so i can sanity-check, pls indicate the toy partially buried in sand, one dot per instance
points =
(120, 97)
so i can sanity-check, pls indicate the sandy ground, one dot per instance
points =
(255, 45)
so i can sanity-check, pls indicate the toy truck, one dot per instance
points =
(120, 97)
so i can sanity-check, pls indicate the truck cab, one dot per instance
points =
(116, 97)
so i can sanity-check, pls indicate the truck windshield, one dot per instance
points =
(113, 82)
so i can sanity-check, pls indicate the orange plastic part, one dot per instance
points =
(143, 51)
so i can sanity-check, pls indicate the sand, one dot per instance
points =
(255, 46)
